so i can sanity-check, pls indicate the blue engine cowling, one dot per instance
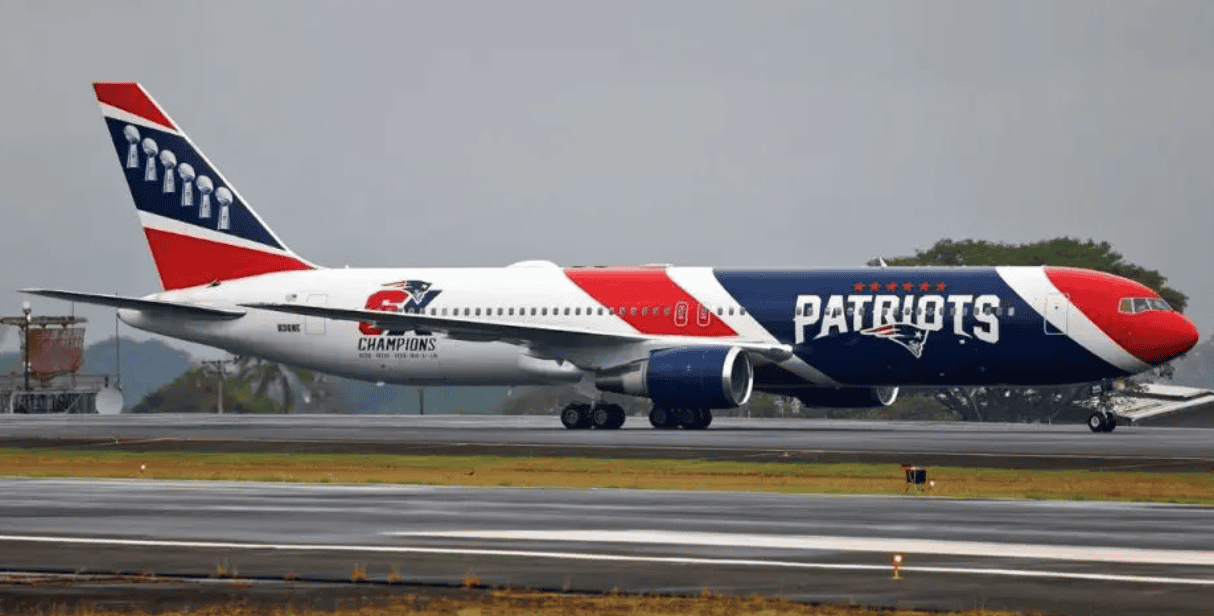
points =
(848, 397)
(686, 378)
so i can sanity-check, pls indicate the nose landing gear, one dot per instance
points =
(1102, 422)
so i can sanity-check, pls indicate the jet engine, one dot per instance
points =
(848, 397)
(686, 378)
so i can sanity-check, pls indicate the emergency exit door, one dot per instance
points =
(316, 325)
(1057, 314)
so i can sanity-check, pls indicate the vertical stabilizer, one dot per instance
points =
(198, 227)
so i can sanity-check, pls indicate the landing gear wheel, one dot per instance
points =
(696, 419)
(607, 417)
(617, 417)
(1096, 422)
(662, 418)
(576, 416)
(1100, 422)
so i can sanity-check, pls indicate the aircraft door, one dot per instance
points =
(315, 325)
(1057, 314)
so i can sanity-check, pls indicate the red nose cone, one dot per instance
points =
(1154, 336)
(1165, 338)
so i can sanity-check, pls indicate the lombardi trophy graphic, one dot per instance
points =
(169, 160)
(132, 153)
(186, 170)
(150, 148)
(204, 188)
(224, 197)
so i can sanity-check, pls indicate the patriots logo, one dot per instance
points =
(419, 292)
(910, 337)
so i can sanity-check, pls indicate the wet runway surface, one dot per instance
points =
(925, 443)
(1056, 557)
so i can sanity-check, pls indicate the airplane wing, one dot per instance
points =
(178, 309)
(482, 331)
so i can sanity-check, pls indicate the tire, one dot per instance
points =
(601, 417)
(575, 417)
(1110, 425)
(662, 418)
(1096, 422)
(700, 419)
(617, 417)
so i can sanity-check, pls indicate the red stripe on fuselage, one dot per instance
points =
(185, 261)
(648, 300)
(131, 98)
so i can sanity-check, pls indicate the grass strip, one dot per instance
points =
(1191, 488)
(516, 603)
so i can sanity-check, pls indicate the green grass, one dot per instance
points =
(1195, 488)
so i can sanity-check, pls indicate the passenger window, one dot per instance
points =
(731, 311)
(666, 311)
(633, 312)
(566, 311)
(741, 311)
(544, 312)
(478, 312)
(721, 311)
(644, 311)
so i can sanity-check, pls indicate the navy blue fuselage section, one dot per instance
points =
(187, 196)
(911, 326)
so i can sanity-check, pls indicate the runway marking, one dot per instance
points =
(591, 556)
(844, 544)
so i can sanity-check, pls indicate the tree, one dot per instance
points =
(1034, 403)
(1059, 251)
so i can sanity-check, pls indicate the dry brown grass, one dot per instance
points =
(514, 603)
(600, 473)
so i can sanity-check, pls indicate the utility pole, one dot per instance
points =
(25, 308)
(217, 365)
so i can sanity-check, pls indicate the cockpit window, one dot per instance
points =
(1135, 305)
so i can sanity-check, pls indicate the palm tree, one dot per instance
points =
(273, 381)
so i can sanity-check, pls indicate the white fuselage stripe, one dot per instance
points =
(1033, 285)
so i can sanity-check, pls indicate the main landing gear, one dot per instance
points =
(691, 419)
(601, 416)
(1102, 422)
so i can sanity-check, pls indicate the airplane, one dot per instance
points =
(690, 339)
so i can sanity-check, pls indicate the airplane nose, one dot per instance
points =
(1169, 338)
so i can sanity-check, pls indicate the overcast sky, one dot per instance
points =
(695, 133)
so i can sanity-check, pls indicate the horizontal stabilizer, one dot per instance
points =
(178, 309)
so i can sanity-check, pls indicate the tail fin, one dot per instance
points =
(198, 227)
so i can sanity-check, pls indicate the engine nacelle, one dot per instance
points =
(686, 378)
(848, 397)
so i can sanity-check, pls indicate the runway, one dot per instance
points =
(1056, 557)
(798, 440)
